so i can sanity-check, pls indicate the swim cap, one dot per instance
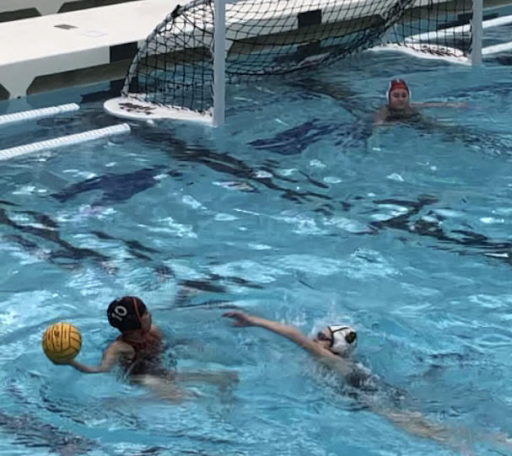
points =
(125, 313)
(344, 339)
(397, 84)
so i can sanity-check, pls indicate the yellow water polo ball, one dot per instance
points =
(61, 342)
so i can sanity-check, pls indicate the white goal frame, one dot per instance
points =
(131, 108)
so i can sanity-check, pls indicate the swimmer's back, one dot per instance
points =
(142, 357)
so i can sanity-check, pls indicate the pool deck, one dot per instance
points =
(22, 9)
(50, 50)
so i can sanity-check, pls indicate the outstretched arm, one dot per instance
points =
(440, 104)
(242, 319)
(108, 361)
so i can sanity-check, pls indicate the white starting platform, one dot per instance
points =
(62, 50)
(11, 10)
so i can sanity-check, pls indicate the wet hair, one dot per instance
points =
(125, 313)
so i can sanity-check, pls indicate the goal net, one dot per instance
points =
(174, 71)
(436, 29)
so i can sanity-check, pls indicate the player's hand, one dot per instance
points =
(241, 319)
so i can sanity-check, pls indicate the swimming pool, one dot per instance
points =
(294, 211)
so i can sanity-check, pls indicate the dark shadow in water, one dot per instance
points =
(295, 140)
(30, 432)
(226, 164)
(473, 243)
(141, 252)
(213, 283)
(115, 188)
(67, 255)
(118, 188)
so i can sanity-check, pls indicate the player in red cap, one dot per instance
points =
(399, 107)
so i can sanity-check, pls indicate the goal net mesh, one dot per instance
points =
(436, 28)
(174, 66)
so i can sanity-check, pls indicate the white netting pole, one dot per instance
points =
(219, 63)
(477, 32)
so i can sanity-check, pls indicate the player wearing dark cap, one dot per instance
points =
(138, 351)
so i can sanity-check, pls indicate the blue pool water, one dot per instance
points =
(295, 211)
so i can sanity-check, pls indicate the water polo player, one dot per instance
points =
(138, 350)
(332, 347)
(399, 108)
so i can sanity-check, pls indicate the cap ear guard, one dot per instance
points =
(344, 339)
